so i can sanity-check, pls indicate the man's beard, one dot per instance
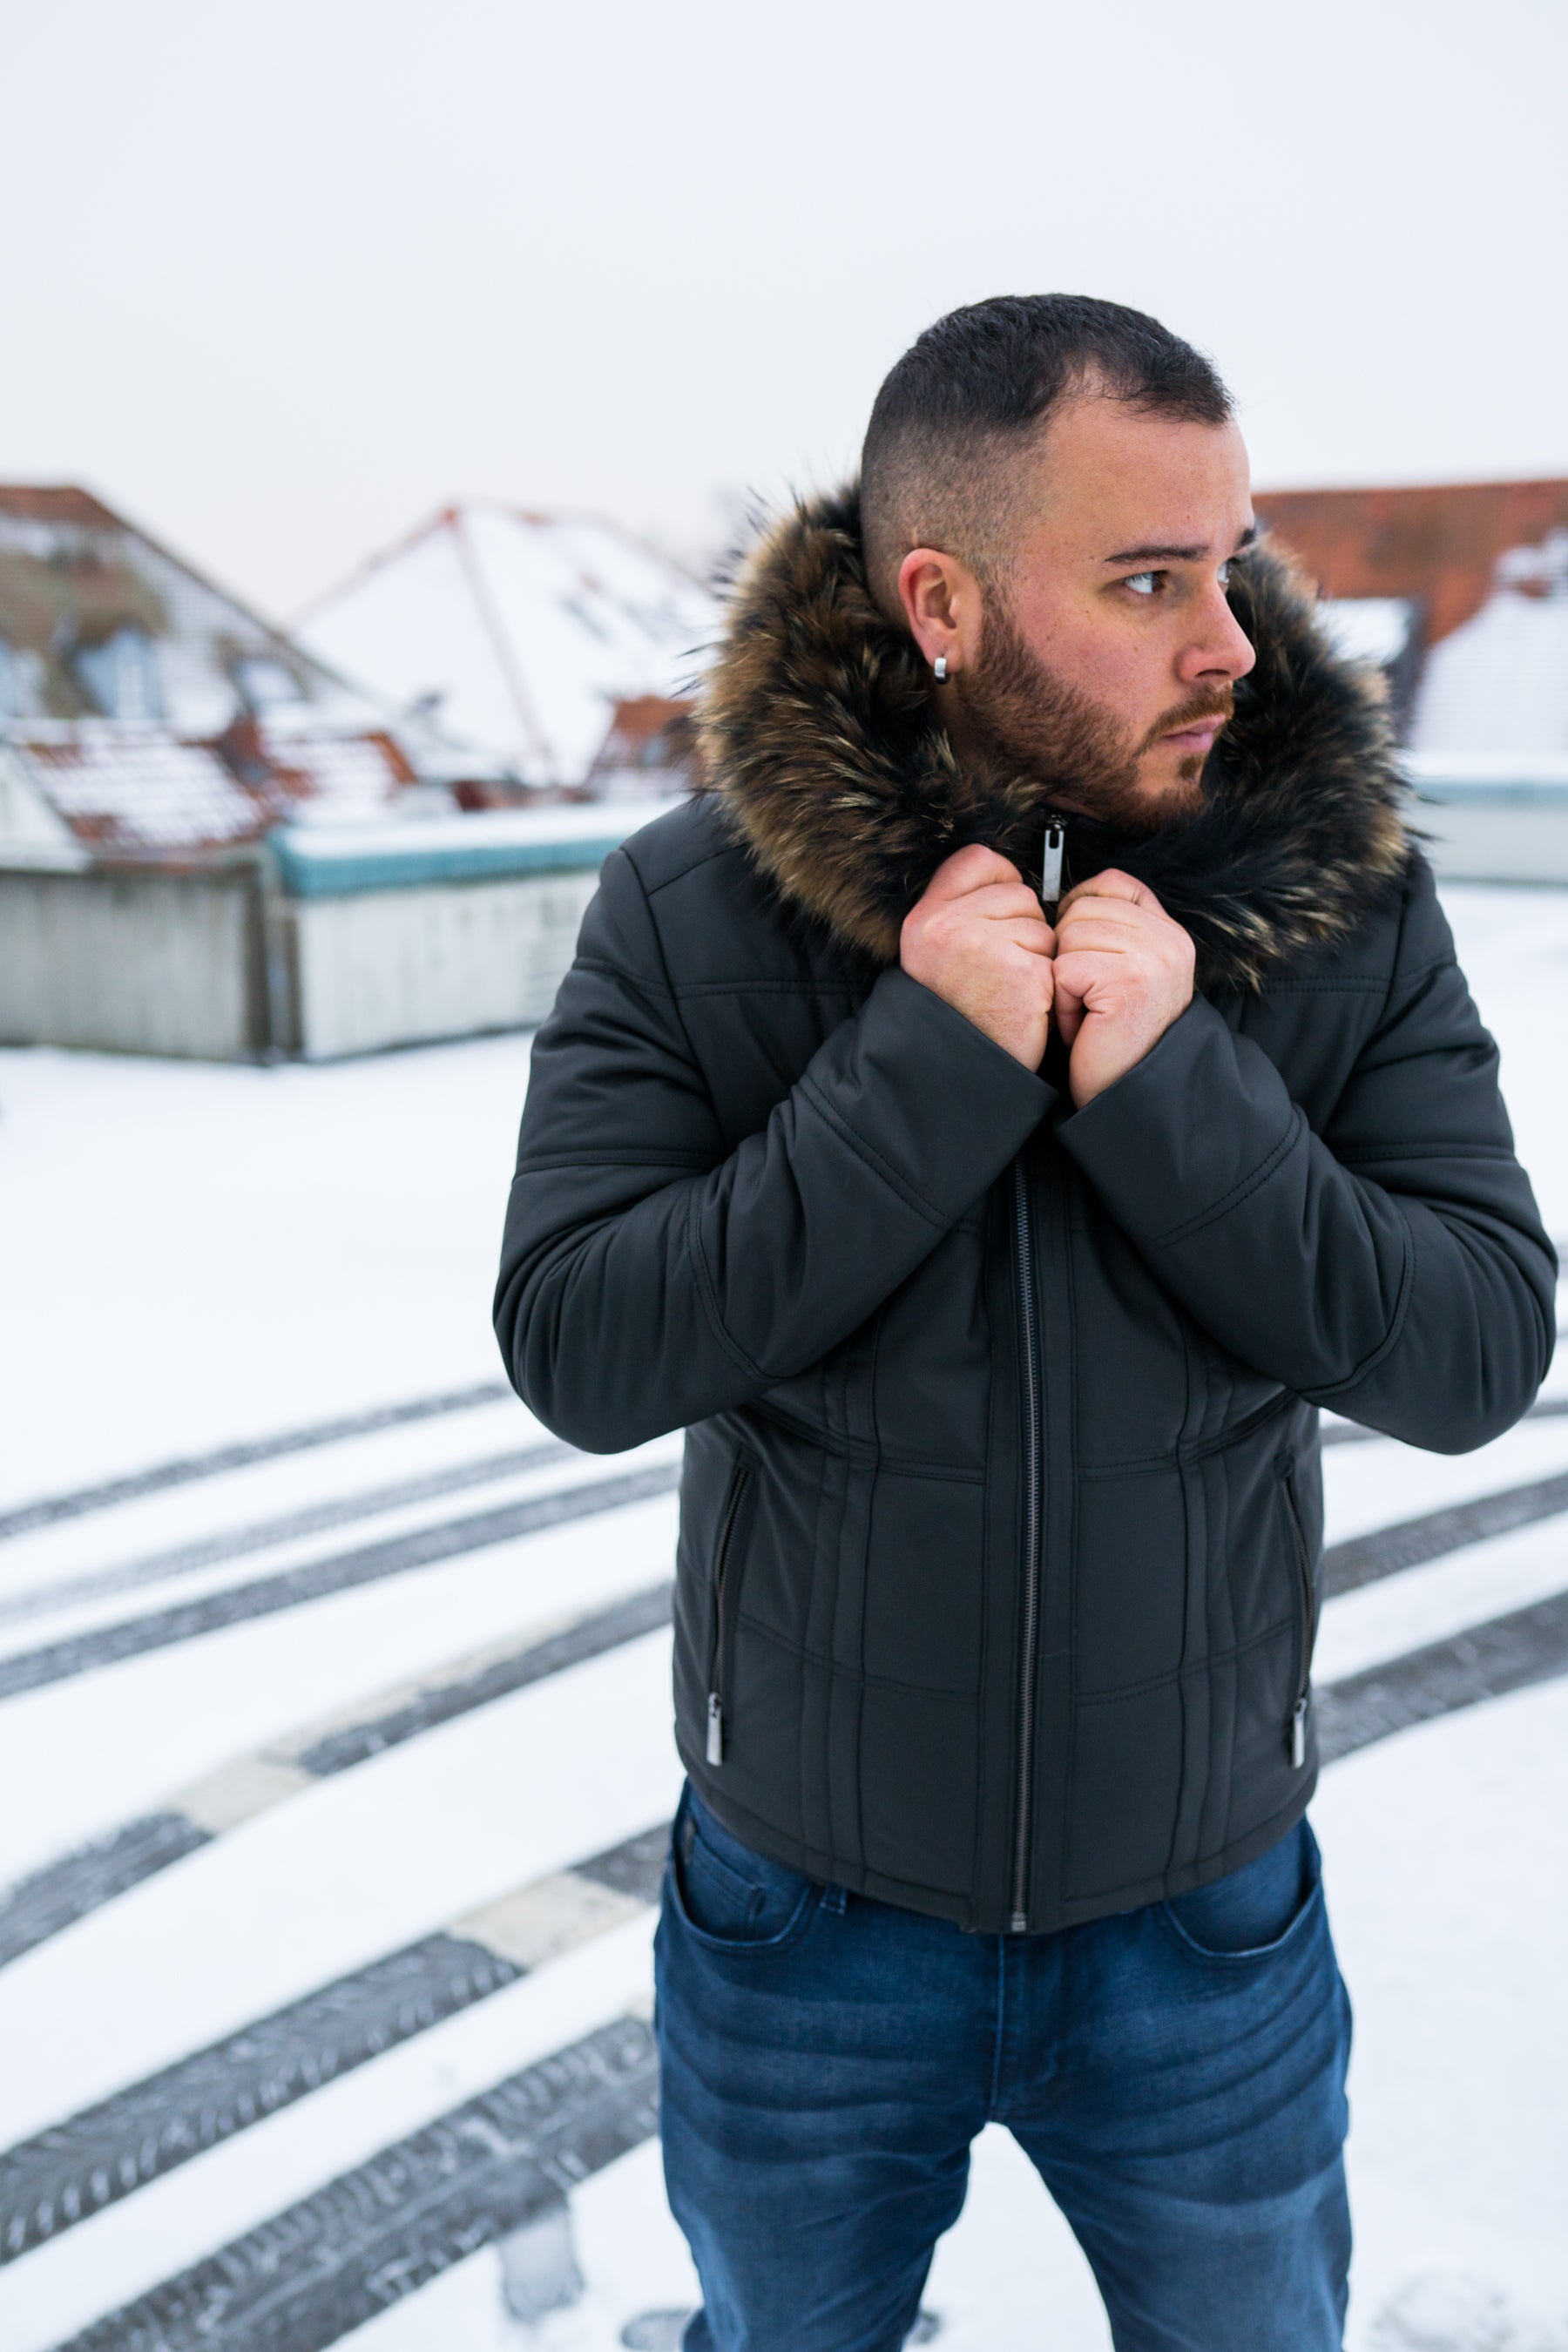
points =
(1023, 716)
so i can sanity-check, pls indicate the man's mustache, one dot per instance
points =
(1213, 702)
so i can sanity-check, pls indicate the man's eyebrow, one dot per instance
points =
(1177, 554)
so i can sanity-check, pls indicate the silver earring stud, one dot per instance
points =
(938, 670)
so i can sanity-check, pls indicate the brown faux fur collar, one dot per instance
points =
(818, 736)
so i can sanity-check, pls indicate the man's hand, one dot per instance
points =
(1123, 973)
(978, 940)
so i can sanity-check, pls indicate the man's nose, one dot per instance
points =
(1221, 648)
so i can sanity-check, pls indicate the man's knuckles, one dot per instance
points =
(970, 869)
(1109, 986)
(962, 927)
(1112, 884)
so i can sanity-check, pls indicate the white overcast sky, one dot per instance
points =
(277, 279)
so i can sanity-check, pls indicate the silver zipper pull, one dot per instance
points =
(1299, 1734)
(715, 1729)
(1051, 862)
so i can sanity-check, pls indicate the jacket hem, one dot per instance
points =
(939, 1903)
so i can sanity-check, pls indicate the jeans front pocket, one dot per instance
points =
(1253, 1912)
(728, 1897)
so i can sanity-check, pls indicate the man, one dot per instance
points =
(993, 1119)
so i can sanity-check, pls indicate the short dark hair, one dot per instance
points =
(977, 388)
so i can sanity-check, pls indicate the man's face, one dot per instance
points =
(1107, 652)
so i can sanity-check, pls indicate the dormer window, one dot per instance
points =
(21, 679)
(265, 683)
(119, 674)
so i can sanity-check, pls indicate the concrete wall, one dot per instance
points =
(226, 968)
(137, 964)
(441, 960)
(1503, 839)
(345, 957)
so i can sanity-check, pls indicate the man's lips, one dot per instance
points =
(1199, 737)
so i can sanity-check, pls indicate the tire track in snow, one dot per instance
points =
(48, 1900)
(391, 2226)
(1505, 1653)
(49, 1509)
(76, 2168)
(1348, 1565)
(291, 1587)
(182, 1472)
(51, 1899)
(1410, 1543)
(210, 1551)
(379, 2233)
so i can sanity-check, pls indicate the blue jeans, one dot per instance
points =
(1177, 2075)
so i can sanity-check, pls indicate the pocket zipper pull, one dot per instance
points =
(1298, 1735)
(1051, 862)
(715, 1729)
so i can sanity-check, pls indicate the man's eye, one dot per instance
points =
(1142, 584)
(1224, 575)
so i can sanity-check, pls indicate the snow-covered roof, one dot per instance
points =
(523, 631)
(150, 792)
(1499, 682)
(1439, 541)
(93, 612)
(1375, 629)
(144, 790)
(317, 859)
(149, 712)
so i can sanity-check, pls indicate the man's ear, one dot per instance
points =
(941, 597)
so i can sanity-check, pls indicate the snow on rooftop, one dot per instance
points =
(75, 577)
(143, 788)
(144, 792)
(352, 776)
(1373, 629)
(522, 631)
(324, 833)
(319, 855)
(1499, 683)
(1544, 773)
(149, 709)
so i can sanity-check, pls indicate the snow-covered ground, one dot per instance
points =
(337, 1728)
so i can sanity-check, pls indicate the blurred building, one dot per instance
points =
(154, 735)
(650, 750)
(522, 633)
(147, 714)
(1459, 593)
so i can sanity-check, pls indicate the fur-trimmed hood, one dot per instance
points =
(818, 736)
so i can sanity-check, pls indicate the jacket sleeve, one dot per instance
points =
(1394, 1267)
(651, 1274)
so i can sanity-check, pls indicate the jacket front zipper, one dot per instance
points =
(1296, 1727)
(1029, 1323)
(718, 1675)
(1051, 855)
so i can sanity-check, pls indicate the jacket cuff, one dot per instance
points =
(929, 1097)
(1186, 1134)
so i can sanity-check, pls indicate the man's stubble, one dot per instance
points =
(1021, 715)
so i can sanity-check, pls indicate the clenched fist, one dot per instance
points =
(1123, 973)
(978, 940)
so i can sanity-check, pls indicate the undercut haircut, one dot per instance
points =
(942, 463)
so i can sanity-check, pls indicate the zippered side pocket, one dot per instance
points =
(1306, 1613)
(726, 1600)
